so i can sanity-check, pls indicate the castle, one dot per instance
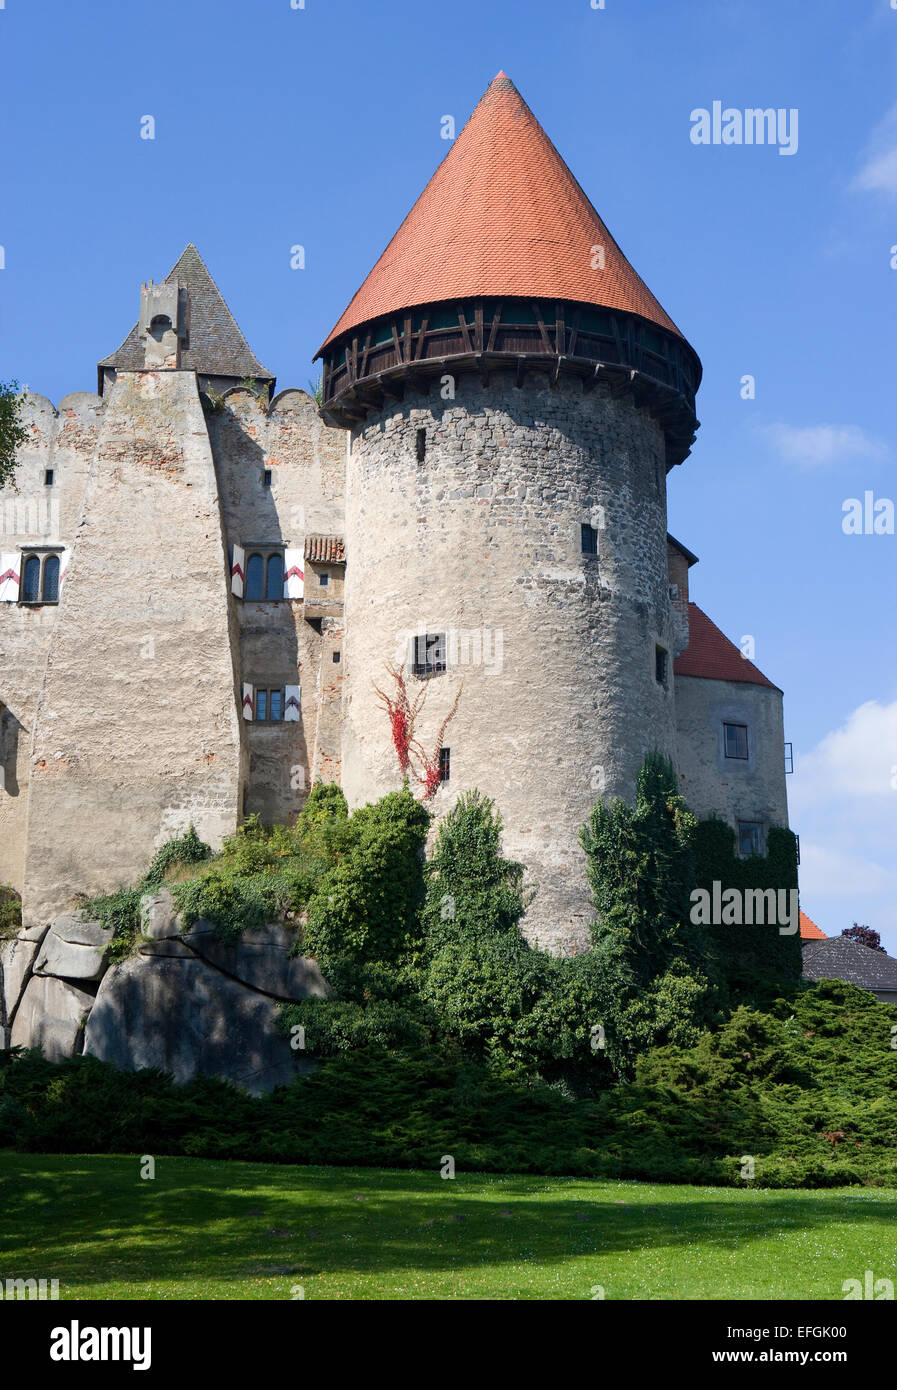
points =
(202, 579)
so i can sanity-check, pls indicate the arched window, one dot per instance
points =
(31, 580)
(50, 587)
(255, 577)
(274, 587)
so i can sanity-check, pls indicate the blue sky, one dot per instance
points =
(319, 126)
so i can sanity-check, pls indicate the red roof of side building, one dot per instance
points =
(501, 216)
(809, 930)
(711, 656)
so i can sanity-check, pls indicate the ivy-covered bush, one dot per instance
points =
(752, 960)
(653, 962)
(367, 908)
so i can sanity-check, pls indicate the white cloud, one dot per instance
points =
(844, 808)
(878, 171)
(854, 761)
(812, 446)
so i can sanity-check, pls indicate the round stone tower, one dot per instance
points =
(515, 397)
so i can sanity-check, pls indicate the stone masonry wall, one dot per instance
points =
(277, 646)
(753, 789)
(482, 541)
(35, 513)
(137, 730)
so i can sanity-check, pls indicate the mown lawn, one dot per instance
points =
(202, 1229)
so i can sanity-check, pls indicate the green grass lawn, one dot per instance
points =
(202, 1229)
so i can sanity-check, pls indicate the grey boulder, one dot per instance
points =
(50, 1016)
(261, 959)
(16, 960)
(74, 948)
(186, 1018)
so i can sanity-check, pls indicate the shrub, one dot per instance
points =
(10, 911)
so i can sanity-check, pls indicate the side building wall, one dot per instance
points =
(751, 789)
(38, 513)
(277, 646)
(137, 732)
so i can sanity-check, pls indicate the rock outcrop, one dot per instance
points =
(185, 1001)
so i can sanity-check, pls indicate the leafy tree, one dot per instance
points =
(864, 936)
(12, 432)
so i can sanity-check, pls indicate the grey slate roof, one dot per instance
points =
(215, 346)
(839, 958)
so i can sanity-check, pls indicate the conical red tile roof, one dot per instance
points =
(502, 215)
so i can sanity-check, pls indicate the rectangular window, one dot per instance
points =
(660, 665)
(269, 704)
(589, 539)
(445, 764)
(48, 477)
(324, 580)
(336, 656)
(266, 478)
(420, 444)
(750, 838)
(429, 655)
(736, 740)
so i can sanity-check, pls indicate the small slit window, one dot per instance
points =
(445, 764)
(429, 653)
(750, 838)
(266, 478)
(589, 539)
(420, 444)
(661, 663)
(48, 477)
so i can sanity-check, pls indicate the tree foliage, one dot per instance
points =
(12, 432)
(653, 962)
(864, 936)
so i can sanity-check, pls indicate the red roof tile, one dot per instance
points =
(502, 215)
(325, 549)
(809, 930)
(711, 656)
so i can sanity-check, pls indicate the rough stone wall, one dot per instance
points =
(137, 730)
(483, 538)
(63, 440)
(753, 789)
(277, 646)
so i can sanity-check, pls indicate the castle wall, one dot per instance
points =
(277, 646)
(482, 541)
(35, 514)
(753, 789)
(137, 731)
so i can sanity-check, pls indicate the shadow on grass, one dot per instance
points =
(93, 1220)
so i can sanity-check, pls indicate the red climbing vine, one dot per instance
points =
(403, 712)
